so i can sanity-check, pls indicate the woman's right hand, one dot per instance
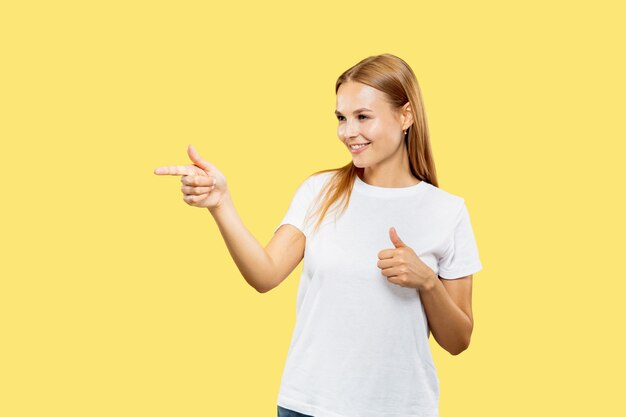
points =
(203, 184)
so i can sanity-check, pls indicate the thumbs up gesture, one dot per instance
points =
(203, 184)
(403, 267)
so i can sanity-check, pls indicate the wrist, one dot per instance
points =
(222, 205)
(431, 283)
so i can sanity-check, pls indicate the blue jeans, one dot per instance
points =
(283, 412)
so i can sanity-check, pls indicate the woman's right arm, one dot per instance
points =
(263, 268)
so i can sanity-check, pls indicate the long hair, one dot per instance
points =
(394, 77)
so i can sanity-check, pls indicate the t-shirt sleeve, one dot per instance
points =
(299, 206)
(461, 257)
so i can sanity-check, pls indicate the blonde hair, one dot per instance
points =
(394, 77)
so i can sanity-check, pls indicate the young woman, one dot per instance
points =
(393, 263)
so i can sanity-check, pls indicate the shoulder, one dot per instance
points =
(310, 186)
(444, 202)
(318, 179)
(322, 175)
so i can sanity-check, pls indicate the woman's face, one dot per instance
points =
(365, 117)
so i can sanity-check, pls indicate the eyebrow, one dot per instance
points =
(354, 112)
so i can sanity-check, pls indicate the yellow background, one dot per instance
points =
(118, 299)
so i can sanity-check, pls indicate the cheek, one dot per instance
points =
(376, 131)
(369, 131)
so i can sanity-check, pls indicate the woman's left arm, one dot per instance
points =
(447, 302)
(448, 306)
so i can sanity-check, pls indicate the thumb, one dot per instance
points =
(197, 159)
(395, 239)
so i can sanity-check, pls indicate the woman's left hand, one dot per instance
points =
(403, 267)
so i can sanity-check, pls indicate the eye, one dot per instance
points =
(339, 117)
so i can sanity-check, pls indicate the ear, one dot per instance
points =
(407, 116)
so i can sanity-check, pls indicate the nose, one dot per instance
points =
(349, 130)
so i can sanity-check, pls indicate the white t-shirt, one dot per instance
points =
(360, 343)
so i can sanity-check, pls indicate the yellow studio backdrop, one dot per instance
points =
(119, 299)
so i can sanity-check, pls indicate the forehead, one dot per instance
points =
(354, 95)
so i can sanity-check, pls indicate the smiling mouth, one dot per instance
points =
(358, 146)
(358, 149)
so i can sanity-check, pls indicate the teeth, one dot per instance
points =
(359, 146)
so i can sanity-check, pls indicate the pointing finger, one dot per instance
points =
(174, 170)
